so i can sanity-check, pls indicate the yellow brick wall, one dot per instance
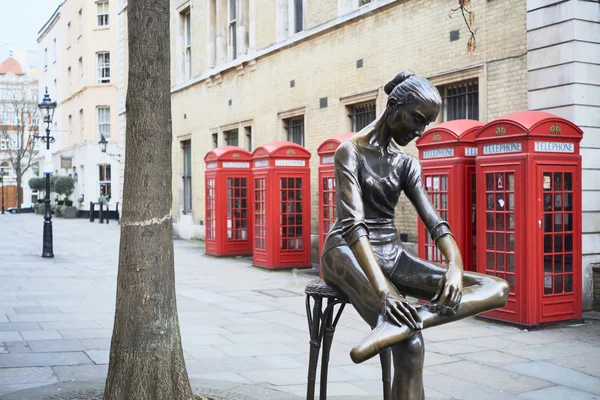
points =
(409, 34)
(318, 12)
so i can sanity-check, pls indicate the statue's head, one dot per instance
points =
(413, 103)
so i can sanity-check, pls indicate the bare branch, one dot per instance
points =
(469, 18)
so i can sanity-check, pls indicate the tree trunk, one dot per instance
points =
(19, 191)
(146, 358)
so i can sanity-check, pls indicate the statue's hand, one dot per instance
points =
(450, 289)
(398, 310)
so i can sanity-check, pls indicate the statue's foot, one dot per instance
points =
(383, 336)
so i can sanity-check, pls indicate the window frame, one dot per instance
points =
(469, 97)
(102, 16)
(290, 125)
(231, 134)
(232, 13)
(103, 67)
(186, 176)
(354, 115)
(103, 124)
(105, 179)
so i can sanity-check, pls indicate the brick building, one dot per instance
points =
(248, 72)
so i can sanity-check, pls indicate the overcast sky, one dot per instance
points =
(20, 20)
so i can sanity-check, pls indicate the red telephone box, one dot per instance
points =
(529, 211)
(281, 174)
(447, 153)
(326, 152)
(228, 186)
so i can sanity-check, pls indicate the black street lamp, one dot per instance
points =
(103, 142)
(2, 175)
(47, 106)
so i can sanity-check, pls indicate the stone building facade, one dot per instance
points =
(78, 51)
(316, 63)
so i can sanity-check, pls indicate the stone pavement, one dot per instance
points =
(244, 329)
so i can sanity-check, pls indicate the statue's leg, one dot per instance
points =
(409, 357)
(420, 278)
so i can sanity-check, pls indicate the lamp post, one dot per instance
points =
(47, 106)
(2, 174)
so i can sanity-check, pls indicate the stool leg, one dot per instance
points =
(314, 322)
(386, 372)
(329, 330)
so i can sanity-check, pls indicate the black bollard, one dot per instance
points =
(91, 211)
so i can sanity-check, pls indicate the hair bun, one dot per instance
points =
(398, 79)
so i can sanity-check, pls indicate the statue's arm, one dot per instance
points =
(450, 293)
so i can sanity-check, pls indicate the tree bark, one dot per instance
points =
(146, 358)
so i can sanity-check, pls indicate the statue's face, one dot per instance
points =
(410, 120)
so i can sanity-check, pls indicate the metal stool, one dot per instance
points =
(321, 326)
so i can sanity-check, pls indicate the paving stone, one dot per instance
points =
(432, 359)
(588, 363)
(10, 337)
(37, 375)
(281, 361)
(333, 389)
(294, 376)
(13, 327)
(493, 358)
(89, 372)
(42, 359)
(461, 389)
(482, 375)
(21, 346)
(98, 356)
(52, 317)
(96, 344)
(551, 350)
(260, 349)
(50, 346)
(85, 333)
(451, 349)
(203, 340)
(225, 376)
(41, 335)
(62, 325)
(8, 389)
(203, 352)
(36, 310)
(225, 364)
(253, 338)
(559, 393)
(63, 374)
(559, 375)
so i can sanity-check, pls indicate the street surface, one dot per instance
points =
(246, 327)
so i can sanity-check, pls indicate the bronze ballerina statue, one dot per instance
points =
(363, 255)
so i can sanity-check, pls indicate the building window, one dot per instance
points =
(460, 100)
(362, 115)
(295, 129)
(363, 2)
(81, 125)
(104, 180)
(4, 141)
(102, 13)
(215, 140)
(248, 131)
(298, 15)
(80, 20)
(103, 67)
(232, 29)
(70, 79)
(45, 58)
(187, 43)
(69, 39)
(54, 50)
(104, 122)
(231, 137)
(187, 176)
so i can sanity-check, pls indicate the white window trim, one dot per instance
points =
(104, 13)
(103, 123)
(186, 18)
(100, 67)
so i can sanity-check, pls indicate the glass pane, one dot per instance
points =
(499, 181)
(558, 185)
(283, 183)
(500, 241)
(298, 183)
(547, 181)
(500, 262)
(558, 283)
(568, 242)
(547, 284)
(511, 222)
(558, 223)
(489, 221)
(510, 262)
(511, 202)
(547, 244)
(558, 243)
(548, 264)
(548, 202)
(568, 222)
(558, 202)
(568, 283)
(568, 181)
(490, 241)
(500, 202)
(444, 183)
(500, 222)
(568, 202)
(547, 222)
(489, 260)
(490, 202)
(489, 182)
(511, 242)
(510, 184)
(568, 262)
(558, 263)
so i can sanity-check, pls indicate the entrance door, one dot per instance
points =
(498, 242)
(560, 263)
